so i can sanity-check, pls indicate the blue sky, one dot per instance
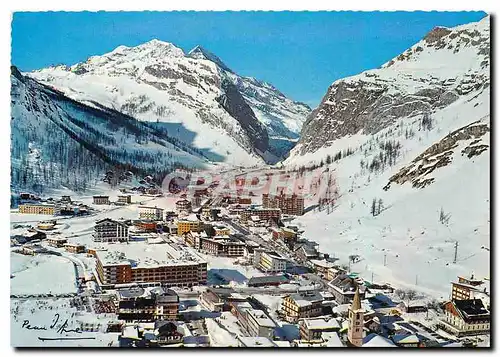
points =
(301, 53)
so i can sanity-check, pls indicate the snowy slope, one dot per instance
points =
(57, 141)
(155, 82)
(434, 73)
(416, 135)
(195, 97)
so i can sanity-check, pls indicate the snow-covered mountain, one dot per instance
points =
(282, 116)
(58, 141)
(413, 135)
(195, 97)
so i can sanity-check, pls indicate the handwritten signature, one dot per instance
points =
(63, 328)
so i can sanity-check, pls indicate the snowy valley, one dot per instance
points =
(154, 184)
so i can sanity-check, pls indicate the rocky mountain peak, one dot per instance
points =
(447, 64)
(199, 52)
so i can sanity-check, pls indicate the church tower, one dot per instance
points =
(356, 321)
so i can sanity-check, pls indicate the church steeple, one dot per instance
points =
(356, 321)
(356, 302)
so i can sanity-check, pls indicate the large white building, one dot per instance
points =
(269, 262)
(259, 324)
(151, 213)
(108, 230)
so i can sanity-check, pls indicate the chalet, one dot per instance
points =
(146, 304)
(21, 237)
(466, 317)
(166, 333)
(343, 287)
(56, 242)
(108, 230)
(219, 300)
(301, 305)
(183, 207)
(312, 329)
(306, 251)
(74, 248)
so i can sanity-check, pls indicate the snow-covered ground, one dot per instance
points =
(219, 336)
(42, 274)
(41, 317)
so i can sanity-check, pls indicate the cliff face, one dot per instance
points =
(431, 75)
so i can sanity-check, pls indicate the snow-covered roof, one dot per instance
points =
(142, 255)
(261, 318)
(322, 263)
(374, 340)
(256, 342)
(332, 339)
(131, 332)
(321, 323)
(406, 339)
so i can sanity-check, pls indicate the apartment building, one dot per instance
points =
(344, 286)
(226, 246)
(269, 262)
(74, 248)
(466, 317)
(183, 270)
(147, 304)
(289, 204)
(150, 213)
(109, 231)
(302, 305)
(57, 242)
(38, 208)
(146, 226)
(183, 207)
(125, 199)
(101, 200)
(287, 235)
(188, 225)
(221, 230)
(263, 214)
(259, 324)
(321, 266)
(312, 329)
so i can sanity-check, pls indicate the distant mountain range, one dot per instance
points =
(194, 96)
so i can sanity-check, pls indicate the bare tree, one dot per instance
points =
(374, 207)
(444, 218)
(380, 206)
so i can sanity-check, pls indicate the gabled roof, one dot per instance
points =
(110, 220)
(472, 308)
(268, 279)
(374, 340)
(403, 339)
